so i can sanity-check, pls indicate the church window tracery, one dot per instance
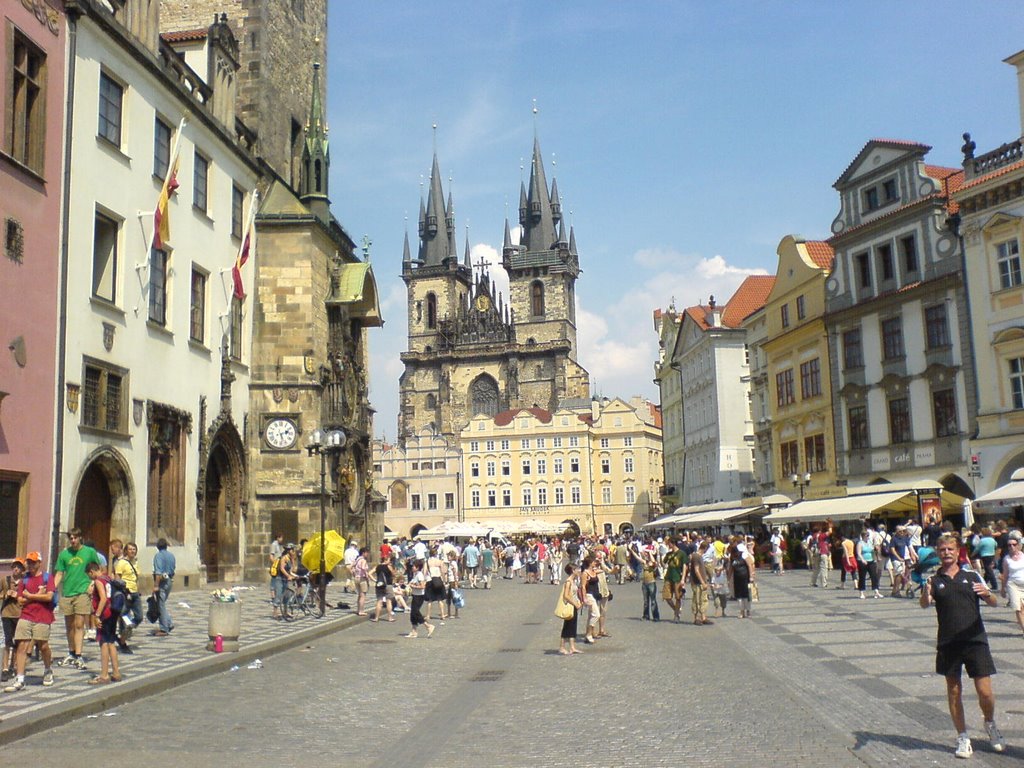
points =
(483, 394)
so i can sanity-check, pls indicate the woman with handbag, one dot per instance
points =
(568, 610)
(452, 585)
(436, 590)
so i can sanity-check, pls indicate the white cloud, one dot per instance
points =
(618, 344)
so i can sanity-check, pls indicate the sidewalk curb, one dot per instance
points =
(23, 725)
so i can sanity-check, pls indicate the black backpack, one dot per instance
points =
(119, 597)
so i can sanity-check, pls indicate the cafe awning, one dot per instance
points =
(1009, 495)
(718, 513)
(841, 508)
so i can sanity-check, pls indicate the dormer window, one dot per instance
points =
(889, 190)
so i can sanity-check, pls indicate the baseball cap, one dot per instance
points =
(19, 561)
(33, 556)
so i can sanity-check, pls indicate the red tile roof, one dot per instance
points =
(184, 36)
(750, 296)
(989, 176)
(697, 314)
(505, 417)
(821, 253)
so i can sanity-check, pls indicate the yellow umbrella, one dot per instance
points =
(334, 551)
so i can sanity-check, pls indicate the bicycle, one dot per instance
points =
(301, 595)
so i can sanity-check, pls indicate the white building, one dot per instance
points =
(667, 377)
(710, 350)
(155, 348)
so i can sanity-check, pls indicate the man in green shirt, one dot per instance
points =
(72, 582)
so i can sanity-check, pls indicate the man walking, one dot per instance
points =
(163, 578)
(962, 641)
(471, 562)
(72, 583)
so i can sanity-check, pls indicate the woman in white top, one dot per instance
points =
(1013, 576)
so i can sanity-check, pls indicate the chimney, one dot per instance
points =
(222, 69)
(1017, 60)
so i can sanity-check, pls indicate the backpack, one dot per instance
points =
(47, 581)
(275, 567)
(119, 596)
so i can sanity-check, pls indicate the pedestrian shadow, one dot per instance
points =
(914, 744)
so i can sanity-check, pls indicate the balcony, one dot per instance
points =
(1007, 154)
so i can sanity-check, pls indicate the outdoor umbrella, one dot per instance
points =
(334, 551)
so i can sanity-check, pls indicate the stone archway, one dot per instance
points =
(103, 502)
(220, 506)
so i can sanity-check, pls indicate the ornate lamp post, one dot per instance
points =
(801, 482)
(322, 443)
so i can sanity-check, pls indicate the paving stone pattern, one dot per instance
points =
(817, 676)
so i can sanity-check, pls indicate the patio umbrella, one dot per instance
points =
(334, 551)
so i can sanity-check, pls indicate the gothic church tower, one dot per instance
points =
(470, 351)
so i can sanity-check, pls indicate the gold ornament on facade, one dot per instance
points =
(73, 391)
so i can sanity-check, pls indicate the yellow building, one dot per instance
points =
(595, 465)
(799, 381)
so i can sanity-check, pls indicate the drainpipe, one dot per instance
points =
(73, 11)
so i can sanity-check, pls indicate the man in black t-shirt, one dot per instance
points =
(962, 641)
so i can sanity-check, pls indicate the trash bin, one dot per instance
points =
(225, 620)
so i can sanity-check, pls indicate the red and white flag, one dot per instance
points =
(247, 249)
(162, 215)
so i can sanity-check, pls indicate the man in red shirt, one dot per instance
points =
(385, 552)
(35, 596)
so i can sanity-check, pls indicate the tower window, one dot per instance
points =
(431, 311)
(537, 298)
(483, 394)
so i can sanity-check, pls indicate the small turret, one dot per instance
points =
(316, 157)
(556, 204)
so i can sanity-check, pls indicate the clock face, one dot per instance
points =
(281, 433)
(482, 303)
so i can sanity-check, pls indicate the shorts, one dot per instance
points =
(362, 586)
(975, 656)
(76, 605)
(106, 632)
(1016, 594)
(899, 567)
(381, 592)
(32, 630)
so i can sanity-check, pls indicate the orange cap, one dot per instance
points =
(18, 561)
(33, 556)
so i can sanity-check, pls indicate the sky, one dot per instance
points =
(687, 138)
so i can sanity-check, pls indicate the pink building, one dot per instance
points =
(32, 59)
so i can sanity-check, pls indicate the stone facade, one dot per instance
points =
(469, 351)
(277, 40)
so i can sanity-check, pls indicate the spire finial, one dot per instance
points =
(433, 127)
(535, 111)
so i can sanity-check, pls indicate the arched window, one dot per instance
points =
(483, 396)
(431, 311)
(431, 401)
(537, 299)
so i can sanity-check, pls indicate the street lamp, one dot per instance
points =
(801, 482)
(323, 443)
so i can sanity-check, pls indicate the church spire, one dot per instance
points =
(316, 156)
(467, 260)
(539, 227)
(434, 240)
(406, 255)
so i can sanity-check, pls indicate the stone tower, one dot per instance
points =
(277, 39)
(543, 268)
(470, 351)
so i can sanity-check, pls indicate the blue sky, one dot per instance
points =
(687, 138)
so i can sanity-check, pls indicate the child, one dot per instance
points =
(720, 588)
(106, 631)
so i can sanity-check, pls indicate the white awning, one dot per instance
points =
(840, 508)
(1009, 495)
(719, 517)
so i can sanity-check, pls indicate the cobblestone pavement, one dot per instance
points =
(818, 676)
(156, 658)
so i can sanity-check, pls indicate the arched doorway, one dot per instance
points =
(219, 536)
(415, 530)
(956, 484)
(103, 501)
(626, 529)
(572, 528)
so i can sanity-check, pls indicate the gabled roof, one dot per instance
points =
(184, 36)
(752, 293)
(917, 147)
(821, 253)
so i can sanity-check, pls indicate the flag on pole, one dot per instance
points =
(248, 247)
(162, 217)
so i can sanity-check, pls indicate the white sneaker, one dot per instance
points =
(998, 743)
(963, 747)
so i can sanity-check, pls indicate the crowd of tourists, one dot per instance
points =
(99, 598)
